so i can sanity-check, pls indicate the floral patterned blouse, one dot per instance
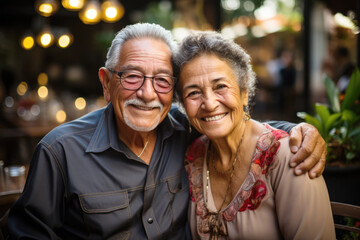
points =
(272, 203)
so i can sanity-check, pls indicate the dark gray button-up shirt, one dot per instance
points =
(84, 183)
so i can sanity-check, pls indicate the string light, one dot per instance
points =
(80, 103)
(42, 79)
(43, 92)
(65, 40)
(45, 38)
(27, 41)
(111, 11)
(90, 11)
(22, 88)
(60, 116)
(73, 5)
(90, 14)
(46, 8)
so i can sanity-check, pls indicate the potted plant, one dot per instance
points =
(339, 125)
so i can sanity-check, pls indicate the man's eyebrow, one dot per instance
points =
(138, 68)
(130, 67)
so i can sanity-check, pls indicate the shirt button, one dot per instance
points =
(150, 220)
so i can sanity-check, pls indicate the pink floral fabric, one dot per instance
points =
(253, 189)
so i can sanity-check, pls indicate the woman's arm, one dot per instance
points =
(302, 205)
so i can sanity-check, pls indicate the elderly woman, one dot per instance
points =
(241, 184)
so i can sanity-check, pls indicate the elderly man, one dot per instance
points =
(117, 173)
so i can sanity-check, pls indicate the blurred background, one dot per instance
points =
(51, 50)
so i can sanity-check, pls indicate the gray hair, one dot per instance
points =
(209, 42)
(137, 31)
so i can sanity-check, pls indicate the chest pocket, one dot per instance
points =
(103, 202)
(105, 211)
(178, 188)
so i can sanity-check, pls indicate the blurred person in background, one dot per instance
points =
(283, 75)
(118, 172)
(344, 68)
(240, 182)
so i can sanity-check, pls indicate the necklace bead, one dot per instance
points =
(215, 218)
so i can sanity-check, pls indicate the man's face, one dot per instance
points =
(143, 109)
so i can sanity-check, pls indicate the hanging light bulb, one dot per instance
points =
(46, 8)
(45, 38)
(73, 5)
(111, 11)
(65, 40)
(90, 14)
(27, 41)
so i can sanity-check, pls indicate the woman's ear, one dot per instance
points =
(245, 97)
(105, 82)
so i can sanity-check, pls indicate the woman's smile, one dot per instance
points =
(214, 118)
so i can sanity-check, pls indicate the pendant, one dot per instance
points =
(214, 225)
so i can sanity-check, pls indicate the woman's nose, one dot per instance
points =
(209, 101)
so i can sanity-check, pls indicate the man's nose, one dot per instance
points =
(147, 91)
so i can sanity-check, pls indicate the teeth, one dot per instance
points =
(214, 118)
(143, 108)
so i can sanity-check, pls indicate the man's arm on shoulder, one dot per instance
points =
(283, 125)
(307, 145)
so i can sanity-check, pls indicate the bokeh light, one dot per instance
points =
(80, 103)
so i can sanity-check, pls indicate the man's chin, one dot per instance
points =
(141, 128)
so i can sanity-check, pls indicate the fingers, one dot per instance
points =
(295, 138)
(304, 138)
(318, 169)
(315, 162)
(311, 150)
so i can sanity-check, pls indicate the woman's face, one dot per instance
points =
(211, 96)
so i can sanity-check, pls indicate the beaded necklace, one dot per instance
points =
(214, 221)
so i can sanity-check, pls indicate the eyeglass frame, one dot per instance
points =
(152, 79)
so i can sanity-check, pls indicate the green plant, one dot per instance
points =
(339, 122)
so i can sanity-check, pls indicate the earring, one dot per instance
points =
(246, 113)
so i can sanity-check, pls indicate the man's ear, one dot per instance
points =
(105, 82)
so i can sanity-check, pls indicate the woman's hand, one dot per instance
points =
(309, 149)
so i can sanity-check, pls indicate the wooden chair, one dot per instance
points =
(346, 210)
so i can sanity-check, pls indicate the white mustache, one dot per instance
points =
(138, 102)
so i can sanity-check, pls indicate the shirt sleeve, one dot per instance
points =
(283, 125)
(37, 213)
(302, 205)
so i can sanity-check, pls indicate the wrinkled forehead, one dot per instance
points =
(146, 51)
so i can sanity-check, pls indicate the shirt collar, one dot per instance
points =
(105, 135)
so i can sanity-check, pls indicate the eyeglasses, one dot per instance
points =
(131, 80)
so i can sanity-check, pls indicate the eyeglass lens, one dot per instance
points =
(133, 81)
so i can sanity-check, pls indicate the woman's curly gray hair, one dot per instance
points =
(210, 42)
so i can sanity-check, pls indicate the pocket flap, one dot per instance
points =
(175, 185)
(103, 202)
